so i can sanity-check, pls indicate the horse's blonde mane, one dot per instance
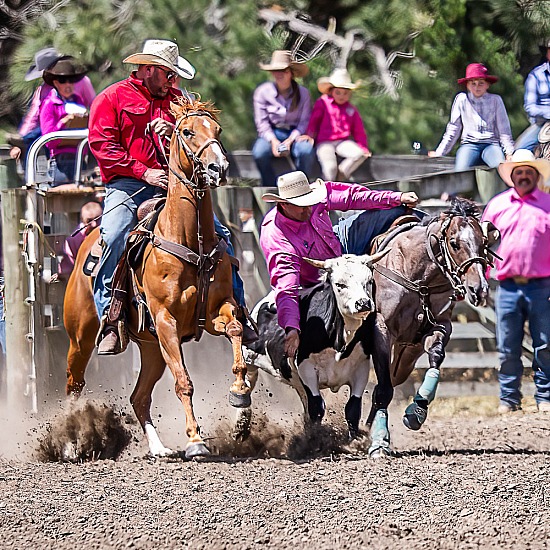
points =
(185, 105)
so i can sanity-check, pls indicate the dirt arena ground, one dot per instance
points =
(468, 479)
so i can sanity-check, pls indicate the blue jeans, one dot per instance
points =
(516, 304)
(302, 154)
(356, 232)
(473, 154)
(529, 138)
(115, 227)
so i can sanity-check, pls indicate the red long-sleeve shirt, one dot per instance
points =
(118, 120)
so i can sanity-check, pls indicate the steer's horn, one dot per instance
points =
(319, 264)
(377, 257)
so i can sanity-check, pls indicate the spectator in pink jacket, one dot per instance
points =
(337, 128)
(63, 109)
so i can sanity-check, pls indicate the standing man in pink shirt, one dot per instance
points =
(522, 215)
(299, 226)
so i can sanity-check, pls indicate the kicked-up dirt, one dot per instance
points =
(463, 482)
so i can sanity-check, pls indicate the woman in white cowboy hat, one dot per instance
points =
(63, 109)
(337, 128)
(281, 113)
(522, 268)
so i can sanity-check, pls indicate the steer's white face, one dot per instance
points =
(351, 278)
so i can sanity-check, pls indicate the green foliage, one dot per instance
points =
(225, 41)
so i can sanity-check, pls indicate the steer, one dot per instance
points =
(337, 332)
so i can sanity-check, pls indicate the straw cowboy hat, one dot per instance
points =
(42, 60)
(477, 71)
(339, 78)
(281, 60)
(294, 188)
(66, 66)
(165, 54)
(524, 157)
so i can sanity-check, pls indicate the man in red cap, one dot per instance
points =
(481, 120)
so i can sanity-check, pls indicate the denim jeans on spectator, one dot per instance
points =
(475, 154)
(116, 225)
(516, 304)
(529, 138)
(62, 168)
(302, 154)
(356, 232)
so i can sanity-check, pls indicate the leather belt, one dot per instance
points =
(520, 280)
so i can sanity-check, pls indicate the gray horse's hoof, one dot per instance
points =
(240, 400)
(241, 429)
(414, 416)
(196, 449)
(379, 450)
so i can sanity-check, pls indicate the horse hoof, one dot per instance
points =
(196, 449)
(414, 417)
(240, 400)
(379, 451)
(241, 429)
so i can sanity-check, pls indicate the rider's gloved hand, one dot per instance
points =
(159, 178)
(409, 198)
(161, 127)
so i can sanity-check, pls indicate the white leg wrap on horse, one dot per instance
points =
(156, 448)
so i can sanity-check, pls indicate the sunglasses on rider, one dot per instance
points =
(65, 79)
(169, 74)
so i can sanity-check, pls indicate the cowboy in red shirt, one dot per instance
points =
(126, 120)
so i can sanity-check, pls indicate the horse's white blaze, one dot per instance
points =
(222, 159)
(206, 123)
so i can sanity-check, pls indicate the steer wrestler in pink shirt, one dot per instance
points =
(299, 226)
(522, 215)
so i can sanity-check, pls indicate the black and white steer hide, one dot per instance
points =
(336, 337)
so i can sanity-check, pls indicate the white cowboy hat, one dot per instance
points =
(339, 78)
(524, 157)
(165, 54)
(281, 60)
(294, 188)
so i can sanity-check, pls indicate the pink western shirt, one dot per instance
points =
(524, 225)
(286, 242)
(332, 122)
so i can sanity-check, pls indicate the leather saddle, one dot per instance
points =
(400, 225)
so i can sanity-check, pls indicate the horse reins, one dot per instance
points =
(205, 263)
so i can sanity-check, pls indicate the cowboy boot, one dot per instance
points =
(108, 340)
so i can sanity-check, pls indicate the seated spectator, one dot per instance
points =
(480, 118)
(88, 222)
(536, 100)
(337, 128)
(281, 113)
(29, 130)
(63, 109)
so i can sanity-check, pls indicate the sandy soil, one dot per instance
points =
(466, 480)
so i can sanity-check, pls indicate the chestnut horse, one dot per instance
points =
(183, 256)
(428, 268)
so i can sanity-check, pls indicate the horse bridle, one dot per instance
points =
(452, 270)
(199, 175)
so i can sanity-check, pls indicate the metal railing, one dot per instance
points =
(32, 157)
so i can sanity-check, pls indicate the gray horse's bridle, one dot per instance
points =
(452, 270)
